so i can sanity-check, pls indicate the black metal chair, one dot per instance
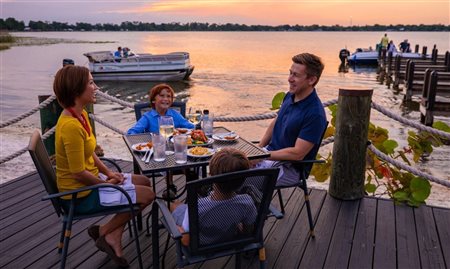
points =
(303, 168)
(47, 174)
(209, 240)
(140, 108)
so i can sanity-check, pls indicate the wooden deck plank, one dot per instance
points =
(384, 251)
(362, 250)
(429, 246)
(298, 237)
(407, 248)
(442, 218)
(317, 248)
(341, 243)
(363, 235)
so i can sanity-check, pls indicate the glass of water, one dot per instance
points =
(180, 146)
(166, 128)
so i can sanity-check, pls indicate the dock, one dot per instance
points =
(367, 233)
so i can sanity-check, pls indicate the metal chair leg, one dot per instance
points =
(280, 197)
(155, 237)
(308, 210)
(262, 257)
(61, 237)
(237, 265)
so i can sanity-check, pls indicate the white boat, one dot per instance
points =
(369, 57)
(173, 66)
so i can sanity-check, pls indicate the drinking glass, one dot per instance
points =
(180, 147)
(166, 128)
(159, 147)
(194, 115)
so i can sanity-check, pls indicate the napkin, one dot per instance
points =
(113, 197)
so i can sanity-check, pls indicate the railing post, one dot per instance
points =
(424, 52)
(49, 117)
(416, 49)
(350, 144)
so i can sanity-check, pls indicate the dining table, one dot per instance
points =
(251, 150)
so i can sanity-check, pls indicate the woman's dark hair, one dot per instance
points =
(157, 90)
(225, 161)
(70, 82)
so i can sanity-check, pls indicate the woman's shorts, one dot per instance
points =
(86, 205)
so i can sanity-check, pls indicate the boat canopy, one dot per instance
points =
(100, 56)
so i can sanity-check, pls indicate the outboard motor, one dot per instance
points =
(67, 62)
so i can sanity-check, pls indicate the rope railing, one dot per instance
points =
(114, 99)
(29, 113)
(23, 150)
(405, 167)
(104, 123)
(410, 122)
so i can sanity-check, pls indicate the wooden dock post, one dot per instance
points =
(49, 117)
(424, 52)
(416, 49)
(350, 143)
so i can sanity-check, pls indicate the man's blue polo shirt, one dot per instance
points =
(305, 119)
(149, 122)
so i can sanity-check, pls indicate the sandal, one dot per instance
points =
(102, 245)
(94, 232)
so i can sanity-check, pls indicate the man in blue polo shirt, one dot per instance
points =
(300, 122)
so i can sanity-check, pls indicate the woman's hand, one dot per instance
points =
(115, 177)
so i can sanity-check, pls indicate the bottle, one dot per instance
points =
(207, 122)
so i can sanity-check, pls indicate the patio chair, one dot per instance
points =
(209, 240)
(303, 168)
(47, 174)
(140, 108)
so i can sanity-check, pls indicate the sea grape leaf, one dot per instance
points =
(370, 188)
(420, 189)
(389, 146)
(441, 126)
(401, 196)
(277, 100)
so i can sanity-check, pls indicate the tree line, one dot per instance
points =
(11, 24)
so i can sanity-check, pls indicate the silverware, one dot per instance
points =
(145, 155)
(150, 153)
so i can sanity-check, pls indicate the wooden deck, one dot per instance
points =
(370, 233)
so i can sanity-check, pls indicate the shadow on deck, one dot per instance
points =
(369, 233)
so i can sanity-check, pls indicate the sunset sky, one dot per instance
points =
(265, 12)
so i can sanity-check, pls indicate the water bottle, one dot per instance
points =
(207, 122)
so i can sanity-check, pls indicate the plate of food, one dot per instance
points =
(230, 136)
(198, 138)
(200, 152)
(142, 147)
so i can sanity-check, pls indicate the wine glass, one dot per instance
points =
(194, 116)
(166, 128)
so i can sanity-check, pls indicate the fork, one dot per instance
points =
(150, 153)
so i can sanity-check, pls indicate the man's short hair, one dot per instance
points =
(70, 82)
(313, 63)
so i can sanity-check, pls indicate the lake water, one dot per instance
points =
(236, 74)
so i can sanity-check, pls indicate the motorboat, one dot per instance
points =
(174, 66)
(370, 57)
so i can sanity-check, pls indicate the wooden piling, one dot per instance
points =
(49, 117)
(424, 52)
(416, 49)
(350, 144)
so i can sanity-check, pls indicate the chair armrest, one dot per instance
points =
(87, 188)
(168, 220)
(112, 162)
(307, 161)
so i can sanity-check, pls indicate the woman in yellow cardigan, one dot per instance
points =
(77, 165)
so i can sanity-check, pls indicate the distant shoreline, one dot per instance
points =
(39, 41)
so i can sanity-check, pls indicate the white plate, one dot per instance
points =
(143, 145)
(209, 142)
(209, 153)
(221, 136)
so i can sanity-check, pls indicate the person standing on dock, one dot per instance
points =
(77, 165)
(384, 42)
(300, 122)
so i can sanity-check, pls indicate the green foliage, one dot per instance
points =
(277, 100)
(403, 187)
(6, 38)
